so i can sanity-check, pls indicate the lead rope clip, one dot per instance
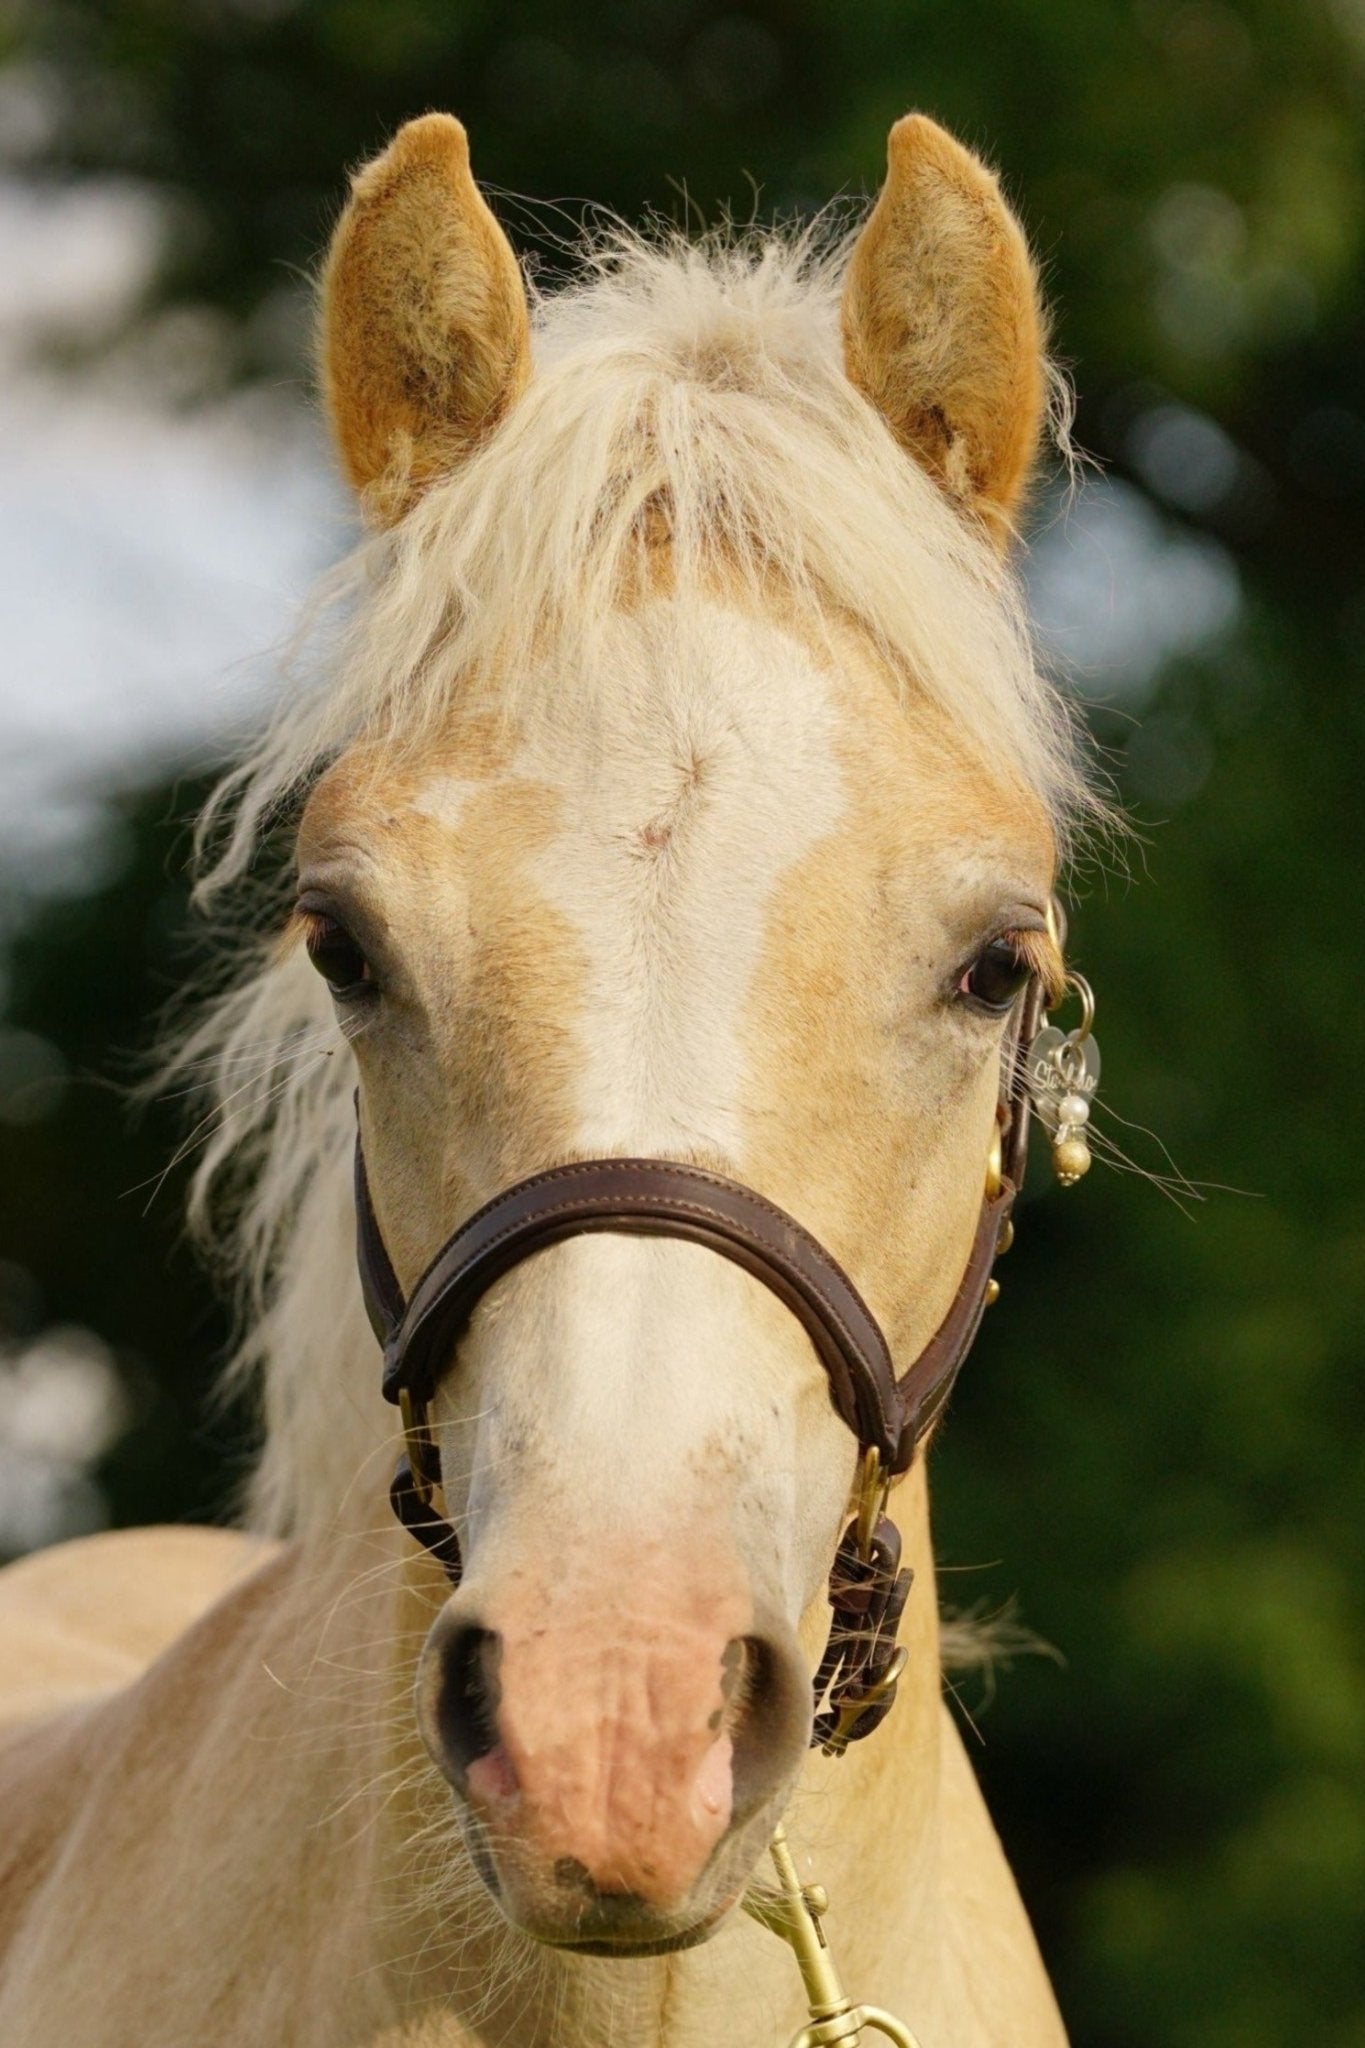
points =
(794, 1912)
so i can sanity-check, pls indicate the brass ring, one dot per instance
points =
(1082, 988)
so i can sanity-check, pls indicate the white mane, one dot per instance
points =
(697, 385)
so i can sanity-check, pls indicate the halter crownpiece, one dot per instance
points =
(890, 1415)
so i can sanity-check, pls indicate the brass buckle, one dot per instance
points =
(852, 1711)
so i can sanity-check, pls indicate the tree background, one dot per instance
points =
(1159, 1442)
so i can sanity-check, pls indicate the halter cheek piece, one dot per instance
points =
(889, 1415)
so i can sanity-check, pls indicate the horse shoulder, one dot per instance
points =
(103, 1843)
(195, 1841)
(86, 1617)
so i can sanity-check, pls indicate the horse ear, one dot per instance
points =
(425, 334)
(943, 326)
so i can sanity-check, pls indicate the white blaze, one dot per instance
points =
(708, 773)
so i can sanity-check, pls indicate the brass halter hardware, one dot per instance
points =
(871, 1491)
(995, 1162)
(794, 1911)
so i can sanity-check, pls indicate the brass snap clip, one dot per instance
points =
(794, 1912)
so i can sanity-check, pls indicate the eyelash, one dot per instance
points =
(1011, 957)
(337, 956)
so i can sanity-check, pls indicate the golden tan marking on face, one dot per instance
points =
(467, 1065)
(873, 1097)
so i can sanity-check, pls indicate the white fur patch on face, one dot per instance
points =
(444, 797)
(707, 772)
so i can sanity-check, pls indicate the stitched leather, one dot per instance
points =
(658, 1197)
(649, 1197)
(855, 1683)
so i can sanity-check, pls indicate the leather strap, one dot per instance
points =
(664, 1198)
(379, 1286)
(855, 1686)
(1015, 1100)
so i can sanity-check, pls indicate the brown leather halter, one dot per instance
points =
(889, 1415)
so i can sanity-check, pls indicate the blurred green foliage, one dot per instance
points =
(1160, 1438)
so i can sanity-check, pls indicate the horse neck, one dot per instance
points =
(865, 1825)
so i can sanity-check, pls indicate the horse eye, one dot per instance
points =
(336, 955)
(996, 975)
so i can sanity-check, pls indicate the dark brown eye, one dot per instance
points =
(335, 954)
(996, 976)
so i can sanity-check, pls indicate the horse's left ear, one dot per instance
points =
(425, 336)
(943, 325)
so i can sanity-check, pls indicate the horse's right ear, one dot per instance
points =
(425, 333)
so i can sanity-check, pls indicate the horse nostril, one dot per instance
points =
(767, 1713)
(467, 1710)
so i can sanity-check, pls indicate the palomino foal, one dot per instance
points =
(682, 786)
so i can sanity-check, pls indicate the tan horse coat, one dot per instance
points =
(678, 903)
(213, 1854)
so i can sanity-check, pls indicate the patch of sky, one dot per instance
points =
(152, 554)
(1119, 590)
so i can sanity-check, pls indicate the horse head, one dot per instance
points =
(705, 809)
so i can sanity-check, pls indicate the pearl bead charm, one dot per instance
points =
(1062, 1071)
